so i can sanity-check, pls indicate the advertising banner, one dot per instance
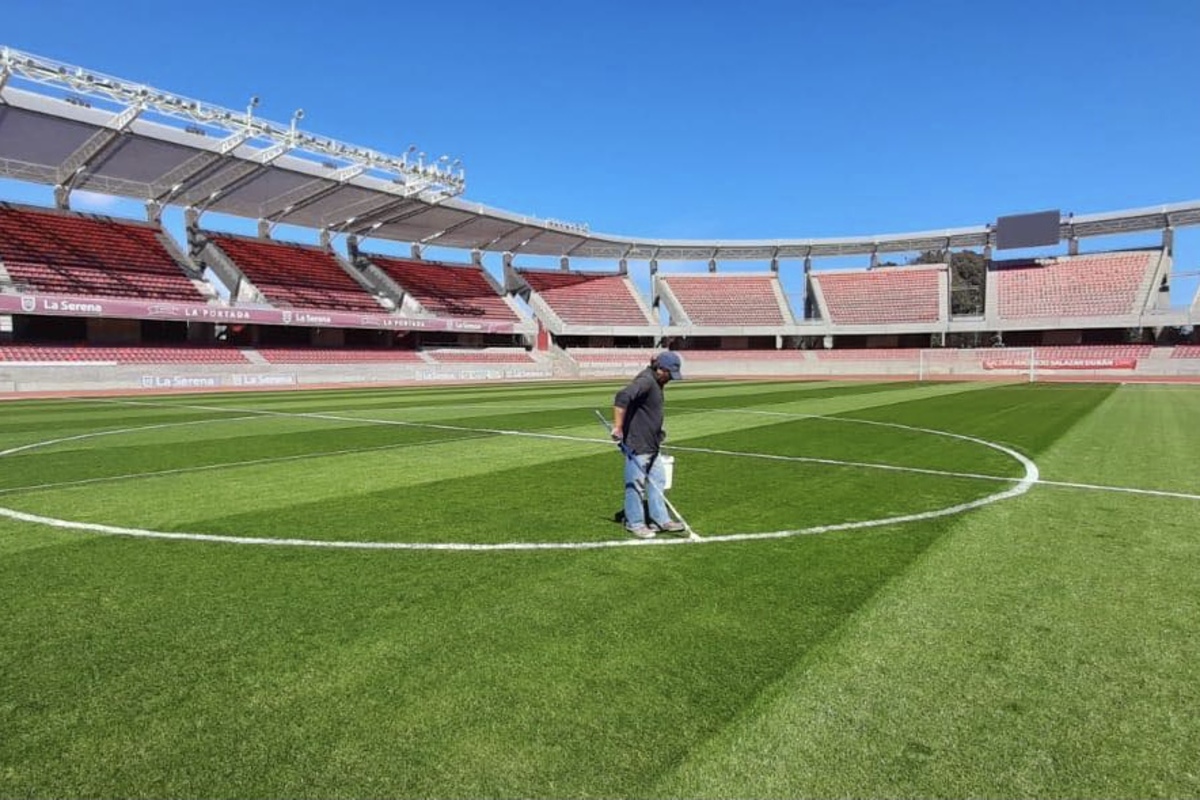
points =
(132, 308)
(1060, 363)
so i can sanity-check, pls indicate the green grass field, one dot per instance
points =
(454, 614)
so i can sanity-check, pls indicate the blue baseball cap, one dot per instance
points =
(671, 362)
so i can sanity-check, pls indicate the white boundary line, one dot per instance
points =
(252, 462)
(97, 434)
(1096, 487)
(1023, 485)
(250, 414)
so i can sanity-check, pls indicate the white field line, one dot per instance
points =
(943, 473)
(335, 417)
(1021, 486)
(1096, 487)
(113, 432)
(1031, 474)
(361, 420)
(250, 412)
(254, 462)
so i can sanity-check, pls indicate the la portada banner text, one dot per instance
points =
(123, 308)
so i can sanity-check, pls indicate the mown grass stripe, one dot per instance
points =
(1043, 648)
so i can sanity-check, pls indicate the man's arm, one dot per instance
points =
(618, 426)
(621, 402)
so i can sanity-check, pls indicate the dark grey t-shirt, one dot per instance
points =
(642, 400)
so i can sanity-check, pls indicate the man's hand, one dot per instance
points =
(617, 434)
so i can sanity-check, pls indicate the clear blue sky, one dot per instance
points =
(703, 119)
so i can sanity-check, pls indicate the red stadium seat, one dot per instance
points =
(62, 252)
(295, 275)
(1094, 285)
(447, 290)
(881, 296)
(587, 298)
(728, 299)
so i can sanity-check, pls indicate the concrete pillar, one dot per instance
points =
(326, 238)
(62, 197)
(416, 252)
(654, 266)
(564, 263)
(264, 229)
(712, 265)
(623, 267)
(477, 258)
(1168, 240)
(810, 303)
(154, 212)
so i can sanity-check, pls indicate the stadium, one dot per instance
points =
(293, 519)
(222, 310)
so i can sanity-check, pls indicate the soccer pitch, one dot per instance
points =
(901, 590)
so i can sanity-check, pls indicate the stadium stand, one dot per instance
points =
(726, 300)
(1092, 352)
(881, 296)
(867, 354)
(295, 275)
(61, 252)
(733, 354)
(63, 354)
(1092, 285)
(587, 298)
(416, 320)
(605, 355)
(492, 355)
(625, 361)
(338, 355)
(446, 290)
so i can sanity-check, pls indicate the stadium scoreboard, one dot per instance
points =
(1028, 230)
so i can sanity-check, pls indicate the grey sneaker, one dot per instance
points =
(670, 526)
(641, 531)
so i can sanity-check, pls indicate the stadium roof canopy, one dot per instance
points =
(79, 130)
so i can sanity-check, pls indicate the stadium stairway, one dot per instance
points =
(253, 356)
(561, 364)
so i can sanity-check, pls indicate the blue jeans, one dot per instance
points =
(636, 487)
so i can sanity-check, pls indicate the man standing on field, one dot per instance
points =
(638, 424)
